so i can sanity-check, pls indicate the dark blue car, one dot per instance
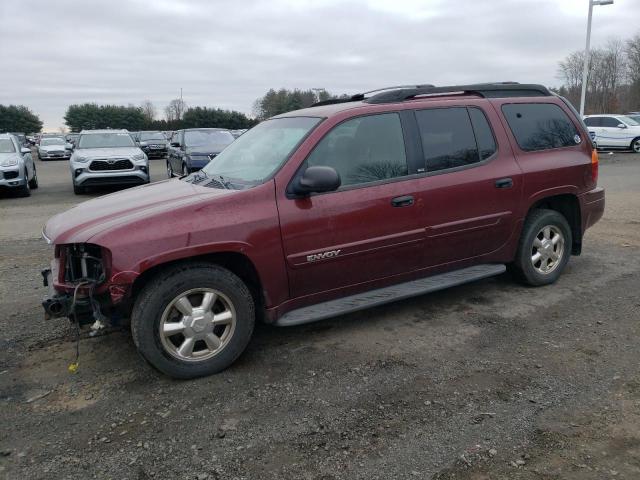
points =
(191, 149)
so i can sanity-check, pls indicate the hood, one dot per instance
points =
(108, 152)
(52, 148)
(82, 222)
(213, 149)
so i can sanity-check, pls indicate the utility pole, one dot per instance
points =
(585, 67)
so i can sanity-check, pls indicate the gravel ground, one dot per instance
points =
(490, 380)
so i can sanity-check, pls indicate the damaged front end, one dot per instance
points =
(76, 283)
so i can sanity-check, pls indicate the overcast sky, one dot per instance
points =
(228, 53)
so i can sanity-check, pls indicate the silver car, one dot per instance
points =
(17, 170)
(107, 157)
(54, 148)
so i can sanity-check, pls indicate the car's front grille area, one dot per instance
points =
(9, 175)
(110, 165)
(56, 152)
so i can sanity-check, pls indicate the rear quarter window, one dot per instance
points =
(540, 126)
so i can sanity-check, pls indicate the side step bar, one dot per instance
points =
(384, 295)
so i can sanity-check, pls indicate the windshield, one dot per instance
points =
(205, 138)
(52, 141)
(152, 136)
(6, 146)
(257, 154)
(629, 121)
(105, 140)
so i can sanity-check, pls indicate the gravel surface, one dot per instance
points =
(490, 380)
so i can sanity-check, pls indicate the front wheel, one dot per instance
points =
(169, 170)
(544, 249)
(193, 320)
(33, 183)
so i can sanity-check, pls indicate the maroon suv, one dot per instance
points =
(335, 208)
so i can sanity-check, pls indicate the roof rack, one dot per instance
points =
(360, 96)
(407, 92)
(486, 90)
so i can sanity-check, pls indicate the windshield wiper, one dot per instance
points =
(225, 183)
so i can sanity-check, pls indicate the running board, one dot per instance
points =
(381, 296)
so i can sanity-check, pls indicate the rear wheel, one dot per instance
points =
(545, 247)
(635, 145)
(193, 320)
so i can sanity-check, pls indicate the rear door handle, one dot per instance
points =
(504, 183)
(404, 201)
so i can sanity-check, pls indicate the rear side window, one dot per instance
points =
(448, 139)
(540, 126)
(364, 149)
(592, 121)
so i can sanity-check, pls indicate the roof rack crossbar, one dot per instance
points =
(486, 90)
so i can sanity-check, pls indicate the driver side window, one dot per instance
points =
(364, 149)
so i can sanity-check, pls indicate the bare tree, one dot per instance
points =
(175, 110)
(148, 110)
(633, 71)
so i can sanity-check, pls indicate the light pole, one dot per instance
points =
(585, 67)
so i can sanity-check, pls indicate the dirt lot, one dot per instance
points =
(486, 381)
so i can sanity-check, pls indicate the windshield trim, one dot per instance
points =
(286, 159)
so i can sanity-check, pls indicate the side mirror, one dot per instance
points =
(175, 144)
(68, 146)
(25, 150)
(622, 125)
(317, 180)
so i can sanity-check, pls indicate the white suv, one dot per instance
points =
(107, 157)
(614, 131)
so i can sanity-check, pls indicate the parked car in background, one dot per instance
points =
(154, 144)
(54, 148)
(635, 116)
(107, 157)
(17, 168)
(192, 149)
(335, 208)
(22, 138)
(615, 131)
(72, 138)
(237, 133)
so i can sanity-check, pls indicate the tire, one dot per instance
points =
(169, 170)
(155, 310)
(25, 190)
(635, 145)
(33, 183)
(78, 190)
(531, 246)
(185, 170)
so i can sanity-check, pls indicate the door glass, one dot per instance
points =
(484, 136)
(447, 138)
(610, 122)
(592, 122)
(364, 149)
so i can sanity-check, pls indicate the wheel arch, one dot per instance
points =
(568, 205)
(236, 262)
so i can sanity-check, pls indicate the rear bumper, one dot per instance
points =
(592, 207)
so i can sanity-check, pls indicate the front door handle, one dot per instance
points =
(504, 183)
(404, 201)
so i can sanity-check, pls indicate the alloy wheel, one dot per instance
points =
(197, 325)
(547, 249)
(636, 146)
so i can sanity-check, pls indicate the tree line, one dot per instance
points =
(133, 118)
(613, 78)
(18, 118)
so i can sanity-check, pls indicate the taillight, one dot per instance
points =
(594, 166)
